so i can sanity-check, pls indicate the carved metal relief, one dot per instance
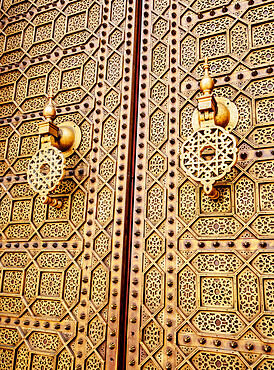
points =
(209, 258)
(201, 285)
(60, 278)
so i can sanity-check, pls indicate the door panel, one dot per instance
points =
(60, 269)
(200, 285)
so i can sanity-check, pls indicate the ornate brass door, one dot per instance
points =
(62, 269)
(202, 282)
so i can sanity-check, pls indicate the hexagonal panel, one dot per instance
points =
(265, 326)
(152, 336)
(94, 17)
(187, 201)
(217, 361)
(187, 291)
(102, 245)
(105, 206)
(90, 70)
(99, 286)
(158, 92)
(216, 262)
(155, 204)
(159, 59)
(112, 100)
(160, 27)
(248, 294)
(97, 329)
(264, 225)
(114, 68)
(44, 341)
(155, 246)
(218, 322)
(216, 226)
(153, 289)
(158, 127)
(115, 38)
(109, 133)
(157, 165)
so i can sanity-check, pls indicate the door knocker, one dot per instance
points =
(211, 151)
(46, 168)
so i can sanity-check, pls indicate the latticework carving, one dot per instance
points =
(63, 267)
(207, 171)
(46, 170)
(216, 279)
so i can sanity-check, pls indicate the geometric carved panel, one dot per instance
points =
(56, 264)
(217, 264)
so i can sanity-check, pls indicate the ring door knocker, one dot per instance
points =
(47, 166)
(211, 151)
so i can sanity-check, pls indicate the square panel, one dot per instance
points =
(37, 86)
(217, 292)
(21, 210)
(51, 283)
(71, 78)
(12, 281)
(221, 205)
(43, 32)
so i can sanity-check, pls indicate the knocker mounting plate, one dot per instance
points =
(46, 170)
(208, 155)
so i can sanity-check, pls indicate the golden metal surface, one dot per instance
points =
(68, 138)
(201, 280)
(46, 168)
(226, 112)
(210, 152)
(62, 268)
(201, 289)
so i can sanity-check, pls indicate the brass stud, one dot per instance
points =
(267, 348)
(187, 339)
(170, 283)
(249, 346)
